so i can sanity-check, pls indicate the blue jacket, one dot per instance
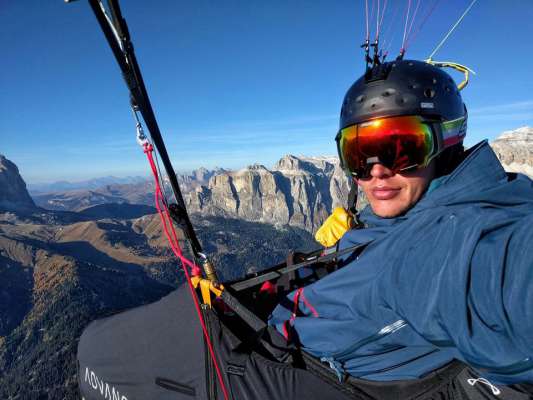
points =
(451, 278)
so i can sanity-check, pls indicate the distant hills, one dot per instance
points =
(89, 184)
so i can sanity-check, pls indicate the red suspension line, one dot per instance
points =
(171, 236)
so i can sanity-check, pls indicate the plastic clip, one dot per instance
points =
(206, 288)
(458, 67)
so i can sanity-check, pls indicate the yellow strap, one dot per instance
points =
(206, 288)
(458, 67)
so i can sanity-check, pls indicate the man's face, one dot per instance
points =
(392, 194)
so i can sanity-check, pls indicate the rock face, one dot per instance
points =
(515, 150)
(13, 192)
(297, 191)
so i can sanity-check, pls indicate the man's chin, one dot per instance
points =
(384, 210)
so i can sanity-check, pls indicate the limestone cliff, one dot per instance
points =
(13, 192)
(515, 150)
(297, 191)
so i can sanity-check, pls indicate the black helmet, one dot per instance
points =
(408, 87)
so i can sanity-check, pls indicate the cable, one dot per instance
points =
(125, 57)
(388, 36)
(412, 22)
(371, 14)
(410, 40)
(451, 30)
(402, 50)
(381, 19)
(174, 245)
(377, 21)
(366, 15)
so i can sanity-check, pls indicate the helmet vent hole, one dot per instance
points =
(388, 92)
(429, 93)
(360, 98)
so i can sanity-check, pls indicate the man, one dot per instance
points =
(445, 267)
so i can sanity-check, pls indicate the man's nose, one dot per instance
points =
(380, 171)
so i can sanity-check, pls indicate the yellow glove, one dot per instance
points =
(334, 227)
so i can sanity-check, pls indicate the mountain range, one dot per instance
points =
(69, 257)
(298, 191)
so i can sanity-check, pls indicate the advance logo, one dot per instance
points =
(107, 391)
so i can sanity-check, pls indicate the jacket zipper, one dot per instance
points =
(387, 330)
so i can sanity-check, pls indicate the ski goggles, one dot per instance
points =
(399, 143)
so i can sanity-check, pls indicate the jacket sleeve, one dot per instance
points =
(478, 299)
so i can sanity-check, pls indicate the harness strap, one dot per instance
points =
(313, 259)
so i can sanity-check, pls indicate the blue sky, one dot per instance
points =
(232, 82)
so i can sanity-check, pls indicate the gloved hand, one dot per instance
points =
(334, 227)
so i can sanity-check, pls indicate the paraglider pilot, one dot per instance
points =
(446, 270)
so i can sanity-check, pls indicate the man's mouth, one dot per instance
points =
(385, 192)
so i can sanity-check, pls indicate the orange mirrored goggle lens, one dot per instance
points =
(398, 143)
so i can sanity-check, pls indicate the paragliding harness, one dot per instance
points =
(232, 353)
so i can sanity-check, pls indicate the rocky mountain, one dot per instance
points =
(296, 191)
(13, 193)
(515, 150)
(197, 177)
